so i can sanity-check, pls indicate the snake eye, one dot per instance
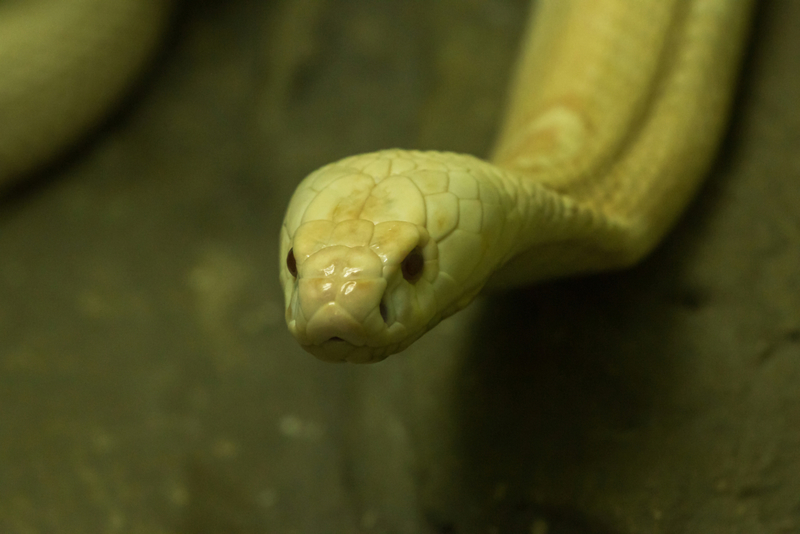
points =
(291, 263)
(413, 266)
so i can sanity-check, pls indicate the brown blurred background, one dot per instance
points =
(148, 383)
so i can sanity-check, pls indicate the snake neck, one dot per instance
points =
(616, 138)
(549, 234)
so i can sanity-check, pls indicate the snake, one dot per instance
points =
(613, 118)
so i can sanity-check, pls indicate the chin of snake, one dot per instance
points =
(613, 118)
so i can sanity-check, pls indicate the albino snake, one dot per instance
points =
(614, 116)
(613, 119)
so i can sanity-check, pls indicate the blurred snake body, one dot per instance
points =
(613, 118)
(63, 65)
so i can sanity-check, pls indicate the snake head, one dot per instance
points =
(359, 291)
(376, 249)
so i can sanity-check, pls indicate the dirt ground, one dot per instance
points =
(148, 383)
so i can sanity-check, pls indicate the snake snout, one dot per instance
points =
(340, 292)
(333, 322)
(338, 332)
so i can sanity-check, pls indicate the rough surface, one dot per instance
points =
(149, 385)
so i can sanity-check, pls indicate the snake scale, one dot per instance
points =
(613, 118)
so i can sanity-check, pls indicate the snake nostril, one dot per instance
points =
(291, 263)
(413, 265)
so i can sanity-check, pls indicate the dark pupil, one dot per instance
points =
(413, 266)
(291, 263)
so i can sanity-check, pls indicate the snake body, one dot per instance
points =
(613, 119)
(63, 65)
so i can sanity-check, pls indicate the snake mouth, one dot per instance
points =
(336, 350)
